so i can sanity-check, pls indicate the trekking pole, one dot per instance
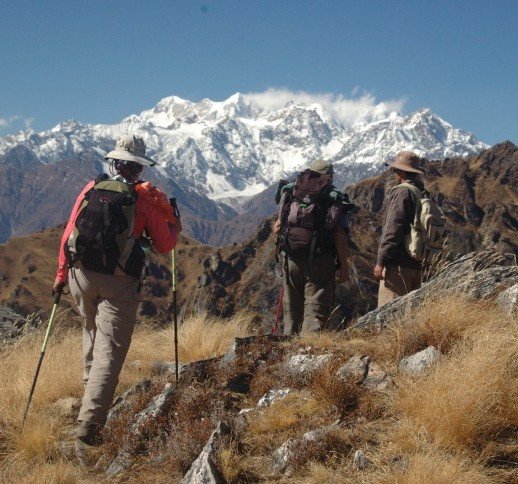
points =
(42, 353)
(172, 201)
(278, 311)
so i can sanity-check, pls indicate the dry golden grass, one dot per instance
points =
(471, 396)
(34, 455)
(285, 413)
(445, 426)
(436, 467)
(199, 337)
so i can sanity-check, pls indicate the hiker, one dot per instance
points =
(311, 228)
(102, 257)
(397, 271)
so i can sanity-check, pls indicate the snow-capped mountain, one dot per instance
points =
(233, 148)
(213, 156)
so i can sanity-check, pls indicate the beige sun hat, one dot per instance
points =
(406, 161)
(322, 167)
(131, 148)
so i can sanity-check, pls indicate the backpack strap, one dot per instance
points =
(416, 193)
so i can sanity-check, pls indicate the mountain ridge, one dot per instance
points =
(216, 156)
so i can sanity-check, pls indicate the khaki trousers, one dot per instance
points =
(109, 306)
(308, 293)
(398, 281)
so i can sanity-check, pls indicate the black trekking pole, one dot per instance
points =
(172, 201)
(42, 353)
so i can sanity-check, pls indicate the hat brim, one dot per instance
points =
(127, 156)
(409, 169)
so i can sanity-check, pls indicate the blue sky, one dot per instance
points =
(98, 61)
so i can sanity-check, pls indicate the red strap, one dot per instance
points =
(278, 312)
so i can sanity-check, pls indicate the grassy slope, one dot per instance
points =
(457, 423)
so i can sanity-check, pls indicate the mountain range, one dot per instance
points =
(479, 197)
(217, 158)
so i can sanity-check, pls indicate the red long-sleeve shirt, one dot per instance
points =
(152, 213)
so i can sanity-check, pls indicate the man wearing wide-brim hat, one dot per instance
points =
(396, 270)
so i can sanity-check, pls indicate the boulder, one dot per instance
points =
(508, 300)
(419, 362)
(356, 367)
(11, 324)
(273, 395)
(376, 378)
(156, 407)
(360, 460)
(123, 402)
(477, 275)
(364, 372)
(282, 456)
(307, 363)
(204, 470)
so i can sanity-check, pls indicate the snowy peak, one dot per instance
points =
(235, 148)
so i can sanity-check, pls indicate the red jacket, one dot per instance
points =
(152, 213)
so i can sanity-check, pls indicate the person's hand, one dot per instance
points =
(378, 272)
(277, 226)
(343, 274)
(58, 286)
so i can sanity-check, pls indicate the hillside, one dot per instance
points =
(427, 396)
(479, 196)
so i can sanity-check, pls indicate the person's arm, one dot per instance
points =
(164, 234)
(395, 227)
(340, 240)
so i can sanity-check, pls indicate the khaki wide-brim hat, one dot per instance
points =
(323, 167)
(406, 161)
(131, 148)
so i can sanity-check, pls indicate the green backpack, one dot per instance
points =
(425, 242)
(103, 239)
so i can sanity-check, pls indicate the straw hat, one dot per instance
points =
(131, 148)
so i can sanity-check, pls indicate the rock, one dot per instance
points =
(272, 395)
(67, 407)
(307, 363)
(121, 463)
(376, 378)
(398, 463)
(359, 460)
(11, 324)
(240, 383)
(478, 275)
(365, 372)
(122, 402)
(204, 469)
(147, 308)
(158, 405)
(356, 367)
(508, 300)
(421, 361)
(157, 368)
(282, 456)
(240, 347)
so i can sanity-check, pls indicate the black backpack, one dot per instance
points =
(103, 236)
(308, 216)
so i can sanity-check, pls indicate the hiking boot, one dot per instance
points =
(89, 433)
